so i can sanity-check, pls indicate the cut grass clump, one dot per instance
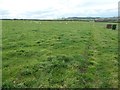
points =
(26, 72)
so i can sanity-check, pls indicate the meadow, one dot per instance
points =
(59, 54)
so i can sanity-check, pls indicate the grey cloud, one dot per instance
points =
(4, 12)
(40, 13)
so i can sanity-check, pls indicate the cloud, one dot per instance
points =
(57, 8)
(40, 14)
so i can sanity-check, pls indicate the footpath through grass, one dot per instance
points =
(59, 54)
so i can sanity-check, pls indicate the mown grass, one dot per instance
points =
(0, 53)
(59, 54)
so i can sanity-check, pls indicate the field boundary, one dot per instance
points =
(118, 44)
(0, 53)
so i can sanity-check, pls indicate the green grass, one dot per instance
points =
(0, 53)
(53, 54)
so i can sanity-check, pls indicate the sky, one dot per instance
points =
(53, 9)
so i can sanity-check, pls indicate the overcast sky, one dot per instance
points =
(49, 9)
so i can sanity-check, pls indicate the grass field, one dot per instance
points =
(59, 54)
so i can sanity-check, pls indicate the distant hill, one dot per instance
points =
(96, 19)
